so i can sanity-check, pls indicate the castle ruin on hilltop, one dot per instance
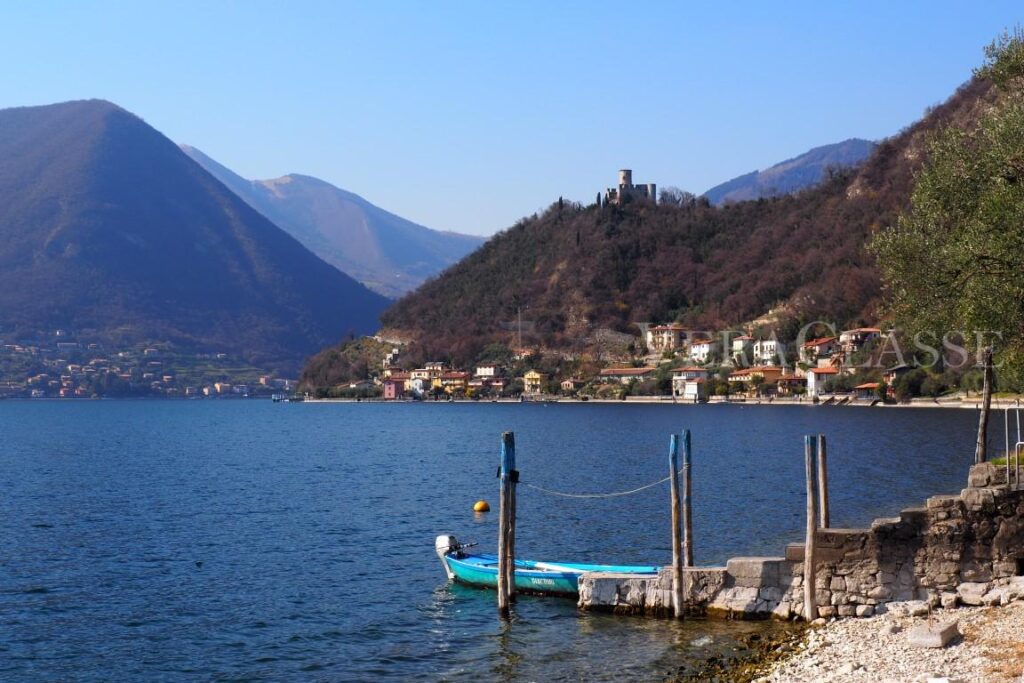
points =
(626, 191)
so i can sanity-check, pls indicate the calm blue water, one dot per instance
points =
(251, 541)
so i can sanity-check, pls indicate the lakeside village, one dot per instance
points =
(56, 365)
(677, 364)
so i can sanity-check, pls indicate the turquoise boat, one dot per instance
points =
(544, 578)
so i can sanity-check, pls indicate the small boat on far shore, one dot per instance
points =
(543, 578)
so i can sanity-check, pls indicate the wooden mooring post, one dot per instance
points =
(687, 507)
(507, 524)
(810, 597)
(677, 541)
(823, 513)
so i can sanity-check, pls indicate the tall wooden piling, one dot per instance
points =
(810, 598)
(510, 543)
(823, 512)
(677, 542)
(687, 507)
(506, 523)
(981, 448)
(1016, 449)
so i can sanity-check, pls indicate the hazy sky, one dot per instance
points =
(469, 115)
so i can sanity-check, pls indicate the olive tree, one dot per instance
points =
(955, 259)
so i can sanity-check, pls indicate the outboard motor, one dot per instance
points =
(443, 545)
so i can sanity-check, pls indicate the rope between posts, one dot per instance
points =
(600, 495)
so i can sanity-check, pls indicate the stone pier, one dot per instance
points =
(960, 549)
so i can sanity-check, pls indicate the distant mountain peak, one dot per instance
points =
(386, 252)
(798, 173)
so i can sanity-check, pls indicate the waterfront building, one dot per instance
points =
(395, 386)
(453, 382)
(533, 382)
(817, 378)
(689, 382)
(756, 376)
(791, 384)
(867, 391)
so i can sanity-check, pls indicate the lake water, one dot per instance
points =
(252, 541)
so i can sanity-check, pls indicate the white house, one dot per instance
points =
(690, 383)
(418, 385)
(489, 371)
(700, 350)
(816, 379)
(741, 348)
(768, 351)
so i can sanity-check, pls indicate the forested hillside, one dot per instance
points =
(576, 269)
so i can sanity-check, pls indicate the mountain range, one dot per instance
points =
(387, 253)
(798, 173)
(107, 228)
(577, 271)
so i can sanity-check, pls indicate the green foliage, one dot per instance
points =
(908, 384)
(663, 380)
(351, 361)
(841, 383)
(1004, 60)
(497, 353)
(932, 385)
(954, 260)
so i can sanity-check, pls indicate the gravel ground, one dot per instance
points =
(868, 651)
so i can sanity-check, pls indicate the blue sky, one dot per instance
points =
(469, 115)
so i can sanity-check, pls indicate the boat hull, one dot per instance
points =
(544, 578)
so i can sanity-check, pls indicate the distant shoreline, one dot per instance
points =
(960, 404)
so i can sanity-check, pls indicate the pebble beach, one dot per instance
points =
(877, 650)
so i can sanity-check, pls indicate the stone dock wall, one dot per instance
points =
(960, 549)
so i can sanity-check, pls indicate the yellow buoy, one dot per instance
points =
(481, 506)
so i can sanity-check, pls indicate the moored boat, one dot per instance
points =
(546, 578)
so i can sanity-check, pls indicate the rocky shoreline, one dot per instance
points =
(878, 649)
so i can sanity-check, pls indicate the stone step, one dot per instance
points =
(883, 522)
(943, 501)
(795, 552)
(914, 515)
(755, 572)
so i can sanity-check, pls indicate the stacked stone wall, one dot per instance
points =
(961, 549)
